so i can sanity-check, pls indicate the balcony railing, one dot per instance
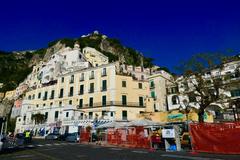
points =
(80, 92)
(103, 88)
(91, 91)
(91, 77)
(51, 97)
(115, 103)
(104, 74)
(81, 79)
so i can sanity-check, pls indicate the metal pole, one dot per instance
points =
(234, 114)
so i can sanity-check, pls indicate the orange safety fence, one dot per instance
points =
(216, 137)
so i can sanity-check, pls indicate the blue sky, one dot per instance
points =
(167, 30)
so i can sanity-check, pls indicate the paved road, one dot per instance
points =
(55, 150)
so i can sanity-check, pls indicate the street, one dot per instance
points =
(59, 150)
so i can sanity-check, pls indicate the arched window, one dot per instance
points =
(175, 100)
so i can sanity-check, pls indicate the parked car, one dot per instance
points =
(63, 137)
(52, 136)
(72, 137)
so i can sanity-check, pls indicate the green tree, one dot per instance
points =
(204, 87)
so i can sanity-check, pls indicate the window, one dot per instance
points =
(67, 114)
(61, 93)
(153, 94)
(65, 57)
(124, 84)
(104, 113)
(91, 88)
(111, 114)
(37, 105)
(91, 102)
(33, 96)
(62, 80)
(142, 77)
(104, 100)
(39, 95)
(46, 115)
(152, 84)
(82, 77)
(81, 89)
(141, 101)
(124, 100)
(29, 97)
(51, 104)
(140, 85)
(24, 118)
(80, 103)
(52, 94)
(175, 100)
(70, 102)
(56, 114)
(71, 79)
(60, 104)
(104, 85)
(91, 75)
(45, 95)
(90, 115)
(71, 92)
(44, 105)
(235, 93)
(124, 115)
(81, 115)
(104, 72)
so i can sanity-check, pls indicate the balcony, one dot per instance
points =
(104, 89)
(81, 79)
(115, 103)
(71, 82)
(104, 74)
(91, 91)
(81, 92)
(152, 86)
(91, 77)
(51, 97)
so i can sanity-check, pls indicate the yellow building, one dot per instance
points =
(100, 93)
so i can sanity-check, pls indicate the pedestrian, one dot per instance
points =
(27, 136)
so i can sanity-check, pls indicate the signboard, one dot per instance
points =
(168, 133)
(172, 117)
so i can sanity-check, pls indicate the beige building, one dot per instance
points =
(10, 95)
(158, 82)
(80, 97)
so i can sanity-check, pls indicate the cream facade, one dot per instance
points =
(82, 97)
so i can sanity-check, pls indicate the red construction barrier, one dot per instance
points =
(216, 137)
(133, 138)
(84, 136)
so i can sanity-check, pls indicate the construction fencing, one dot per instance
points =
(135, 137)
(216, 137)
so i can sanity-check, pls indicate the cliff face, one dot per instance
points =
(15, 66)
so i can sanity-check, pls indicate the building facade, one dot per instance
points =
(82, 97)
